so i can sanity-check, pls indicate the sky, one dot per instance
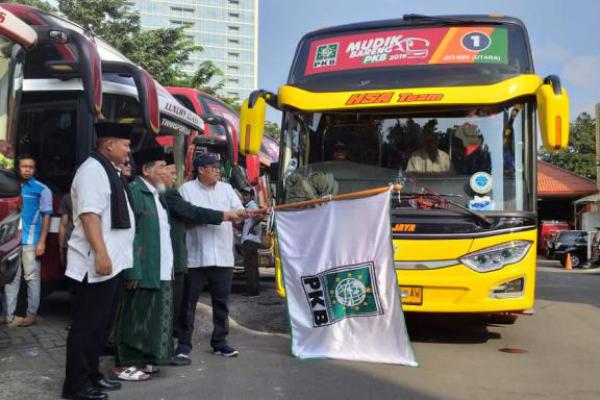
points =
(564, 35)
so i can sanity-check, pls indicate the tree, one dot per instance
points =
(272, 130)
(115, 21)
(34, 3)
(580, 156)
(163, 53)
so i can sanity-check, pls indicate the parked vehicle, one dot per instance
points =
(573, 243)
(57, 90)
(547, 229)
(16, 37)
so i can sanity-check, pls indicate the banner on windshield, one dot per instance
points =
(403, 47)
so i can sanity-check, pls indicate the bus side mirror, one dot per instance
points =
(553, 112)
(252, 124)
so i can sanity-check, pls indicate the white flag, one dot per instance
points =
(342, 293)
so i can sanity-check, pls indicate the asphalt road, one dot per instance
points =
(459, 357)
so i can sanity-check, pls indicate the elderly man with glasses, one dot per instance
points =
(210, 256)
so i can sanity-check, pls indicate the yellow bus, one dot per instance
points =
(447, 106)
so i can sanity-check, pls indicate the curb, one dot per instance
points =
(207, 310)
(590, 271)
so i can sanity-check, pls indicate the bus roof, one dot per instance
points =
(417, 20)
(412, 52)
(36, 75)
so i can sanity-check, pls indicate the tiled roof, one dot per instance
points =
(557, 181)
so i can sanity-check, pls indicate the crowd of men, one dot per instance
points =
(138, 253)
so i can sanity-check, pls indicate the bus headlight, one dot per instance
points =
(494, 258)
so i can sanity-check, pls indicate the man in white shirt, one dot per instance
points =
(101, 246)
(429, 159)
(210, 256)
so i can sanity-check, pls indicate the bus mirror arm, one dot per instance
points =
(554, 81)
(270, 98)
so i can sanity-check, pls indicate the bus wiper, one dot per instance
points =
(459, 206)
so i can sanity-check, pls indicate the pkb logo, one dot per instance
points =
(326, 55)
(345, 292)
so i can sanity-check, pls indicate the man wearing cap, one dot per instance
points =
(251, 237)
(210, 256)
(182, 213)
(100, 247)
(144, 326)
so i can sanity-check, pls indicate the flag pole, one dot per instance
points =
(346, 196)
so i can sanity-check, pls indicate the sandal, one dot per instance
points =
(131, 374)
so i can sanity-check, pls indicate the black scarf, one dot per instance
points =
(119, 193)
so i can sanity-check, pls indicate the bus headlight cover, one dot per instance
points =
(494, 258)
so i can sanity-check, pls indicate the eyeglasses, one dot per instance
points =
(213, 167)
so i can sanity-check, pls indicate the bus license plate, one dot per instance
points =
(411, 294)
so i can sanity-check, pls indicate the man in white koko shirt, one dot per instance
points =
(210, 256)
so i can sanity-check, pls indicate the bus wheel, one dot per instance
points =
(503, 319)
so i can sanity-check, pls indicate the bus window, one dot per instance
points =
(127, 110)
(440, 152)
(48, 132)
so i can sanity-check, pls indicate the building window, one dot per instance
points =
(233, 41)
(179, 22)
(233, 28)
(234, 2)
(233, 54)
(233, 80)
(183, 9)
(233, 94)
(233, 67)
(234, 15)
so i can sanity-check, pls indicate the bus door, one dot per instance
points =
(48, 132)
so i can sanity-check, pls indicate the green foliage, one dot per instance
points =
(115, 21)
(163, 53)
(35, 3)
(272, 130)
(580, 156)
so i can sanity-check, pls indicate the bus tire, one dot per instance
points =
(503, 319)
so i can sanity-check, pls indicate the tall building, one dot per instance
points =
(226, 29)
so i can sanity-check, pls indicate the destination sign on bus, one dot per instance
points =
(403, 47)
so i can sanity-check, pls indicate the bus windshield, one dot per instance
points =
(476, 157)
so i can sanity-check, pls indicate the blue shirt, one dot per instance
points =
(37, 202)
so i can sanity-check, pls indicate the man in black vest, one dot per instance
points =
(101, 246)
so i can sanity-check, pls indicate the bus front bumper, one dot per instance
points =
(456, 288)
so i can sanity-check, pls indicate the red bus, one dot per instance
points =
(72, 79)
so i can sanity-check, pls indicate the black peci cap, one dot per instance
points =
(113, 130)
(170, 158)
(149, 155)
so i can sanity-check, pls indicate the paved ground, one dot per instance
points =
(459, 356)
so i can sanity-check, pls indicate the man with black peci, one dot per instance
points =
(101, 246)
